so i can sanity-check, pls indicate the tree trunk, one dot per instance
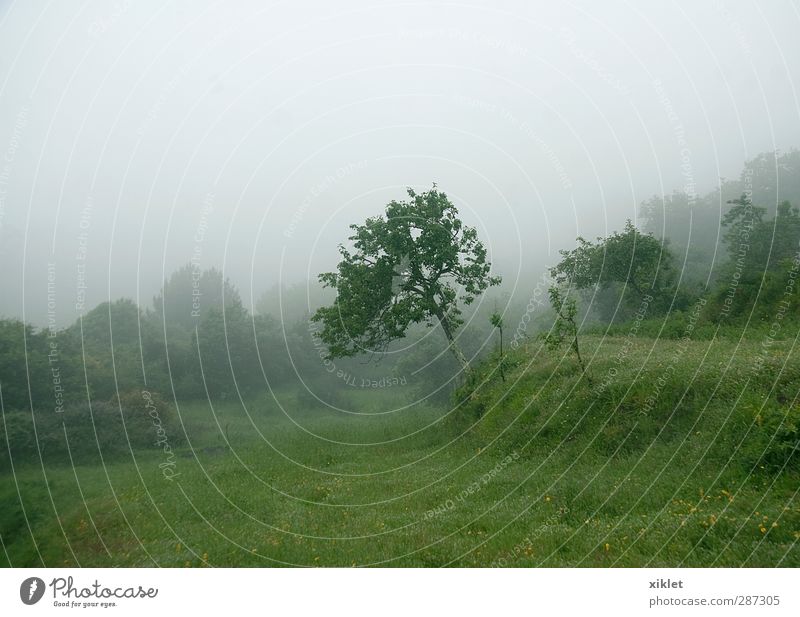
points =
(578, 353)
(502, 367)
(454, 348)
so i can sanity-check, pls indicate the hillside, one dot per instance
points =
(679, 453)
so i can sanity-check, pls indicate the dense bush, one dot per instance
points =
(774, 442)
(132, 422)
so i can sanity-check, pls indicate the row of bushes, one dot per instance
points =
(134, 421)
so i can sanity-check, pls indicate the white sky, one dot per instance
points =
(542, 120)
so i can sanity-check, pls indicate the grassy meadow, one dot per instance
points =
(666, 453)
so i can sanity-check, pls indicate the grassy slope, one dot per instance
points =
(549, 470)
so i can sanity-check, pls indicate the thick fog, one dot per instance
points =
(136, 137)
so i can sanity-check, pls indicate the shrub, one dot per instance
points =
(131, 421)
(775, 441)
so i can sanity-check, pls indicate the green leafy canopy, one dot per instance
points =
(633, 259)
(412, 265)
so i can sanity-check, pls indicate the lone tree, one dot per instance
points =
(565, 328)
(411, 266)
(496, 319)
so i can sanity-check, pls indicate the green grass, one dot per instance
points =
(544, 469)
